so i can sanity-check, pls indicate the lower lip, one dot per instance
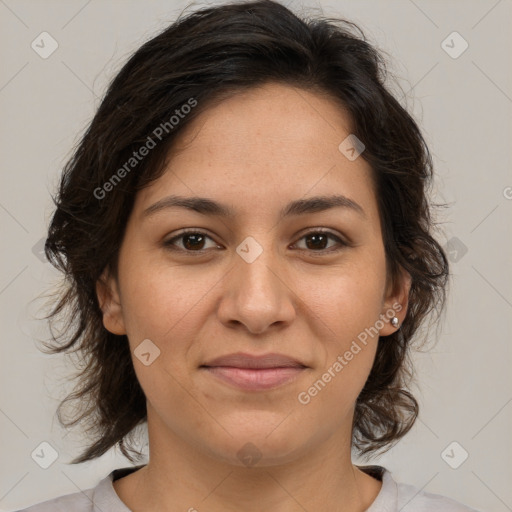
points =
(255, 379)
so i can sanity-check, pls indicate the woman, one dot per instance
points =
(248, 246)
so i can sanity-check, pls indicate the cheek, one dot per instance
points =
(160, 300)
(348, 298)
(346, 307)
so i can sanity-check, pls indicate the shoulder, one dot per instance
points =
(401, 497)
(97, 499)
(78, 502)
(412, 499)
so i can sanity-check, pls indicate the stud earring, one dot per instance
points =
(395, 323)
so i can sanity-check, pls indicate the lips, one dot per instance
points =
(254, 373)
(248, 361)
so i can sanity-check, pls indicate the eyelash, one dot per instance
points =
(169, 244)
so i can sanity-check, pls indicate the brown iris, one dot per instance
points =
(319, 241)
(193, 241)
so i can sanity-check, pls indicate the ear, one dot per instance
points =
(395, 302)
(107, 291)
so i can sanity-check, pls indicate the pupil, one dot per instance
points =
(196, 237)
(318, 241)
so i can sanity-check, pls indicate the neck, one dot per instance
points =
(183, 477)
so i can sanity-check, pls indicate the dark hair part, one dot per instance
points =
(200, 59)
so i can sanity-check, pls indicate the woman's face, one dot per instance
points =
(255, 277)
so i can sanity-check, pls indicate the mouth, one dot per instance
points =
(255, 373)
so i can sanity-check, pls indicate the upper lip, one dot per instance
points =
(240, 360)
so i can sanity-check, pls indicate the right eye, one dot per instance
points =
(191, 241)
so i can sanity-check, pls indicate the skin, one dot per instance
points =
(255, 153)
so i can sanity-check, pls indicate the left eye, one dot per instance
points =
(317, 240)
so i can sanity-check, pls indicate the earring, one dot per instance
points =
(395, 323)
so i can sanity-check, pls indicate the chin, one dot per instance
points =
(259, 444)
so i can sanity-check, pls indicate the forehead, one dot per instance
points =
(265, 146)
(274, 117)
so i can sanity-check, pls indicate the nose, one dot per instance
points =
(257, 295)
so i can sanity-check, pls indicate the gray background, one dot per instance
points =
(464, 105)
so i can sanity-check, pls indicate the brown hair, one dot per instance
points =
(199, 60)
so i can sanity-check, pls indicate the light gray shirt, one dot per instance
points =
(393, 497)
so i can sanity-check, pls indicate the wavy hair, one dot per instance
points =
(207, 56)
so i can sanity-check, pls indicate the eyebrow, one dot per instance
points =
(207, 206)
